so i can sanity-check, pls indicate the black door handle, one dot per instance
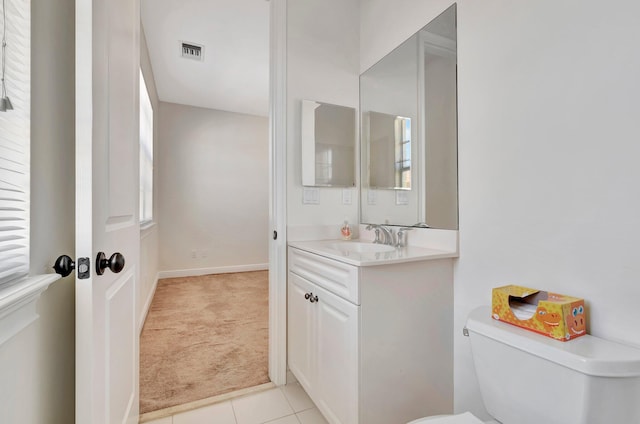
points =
(64, 265)
(115, 263)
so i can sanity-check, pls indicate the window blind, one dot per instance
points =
(14, 146)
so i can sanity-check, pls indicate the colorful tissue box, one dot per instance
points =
(554, 315)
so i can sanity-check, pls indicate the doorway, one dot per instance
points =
(192, 257)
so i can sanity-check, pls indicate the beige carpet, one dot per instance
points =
(204, 336)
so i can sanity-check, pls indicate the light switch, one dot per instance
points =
(346, 196)
(311, 196)
(402, 197)
(371, 197)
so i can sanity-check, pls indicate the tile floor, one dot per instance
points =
(281, 405)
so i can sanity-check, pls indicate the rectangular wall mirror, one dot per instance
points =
(409, 147)
(328, 145)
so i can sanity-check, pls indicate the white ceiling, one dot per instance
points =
(234, 75)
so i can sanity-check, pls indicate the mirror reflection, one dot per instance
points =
(408, 103)
(389, 151)
(328, 144)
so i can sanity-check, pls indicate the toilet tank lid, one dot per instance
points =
(587, 354)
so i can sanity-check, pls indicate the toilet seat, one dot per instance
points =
(465, 418)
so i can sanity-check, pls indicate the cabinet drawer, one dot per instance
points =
(337, 277)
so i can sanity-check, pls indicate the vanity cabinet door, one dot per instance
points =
(323, 348)
(300, 331)
(336, 347)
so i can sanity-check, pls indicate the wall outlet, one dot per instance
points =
(194, 254)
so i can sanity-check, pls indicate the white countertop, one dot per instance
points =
(330, 249)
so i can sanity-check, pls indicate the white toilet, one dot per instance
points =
(526, 378)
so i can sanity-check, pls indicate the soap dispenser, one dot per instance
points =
(345, 231)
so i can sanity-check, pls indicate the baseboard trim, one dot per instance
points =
(194, 272)
(167, 412)
(147, 303)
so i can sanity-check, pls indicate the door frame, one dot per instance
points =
(278, 192)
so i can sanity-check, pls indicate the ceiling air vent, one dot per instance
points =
(192, 51)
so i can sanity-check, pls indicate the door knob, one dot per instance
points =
(64, 265)
(115, 263)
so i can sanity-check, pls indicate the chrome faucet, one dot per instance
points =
(376, 228)
(383, 235)
(387, 235)
(400, 236)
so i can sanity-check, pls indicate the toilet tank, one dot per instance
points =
(527, 378)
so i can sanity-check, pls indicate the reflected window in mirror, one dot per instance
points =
(403, 153)
(389, 151)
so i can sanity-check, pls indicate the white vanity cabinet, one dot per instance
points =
(376, 346)
(323, 338)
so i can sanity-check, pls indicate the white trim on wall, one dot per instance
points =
(18, 304)
(194, 272)
(278, 193)
(147, 303)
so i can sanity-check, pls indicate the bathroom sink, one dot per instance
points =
(367, 253)
(360, 247)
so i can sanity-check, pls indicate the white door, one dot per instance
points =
(107, 72)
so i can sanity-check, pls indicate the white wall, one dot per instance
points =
(322, 65)
(548, 134)
(149, 235)
(548, 158)
(37, 366)
(212, 188)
